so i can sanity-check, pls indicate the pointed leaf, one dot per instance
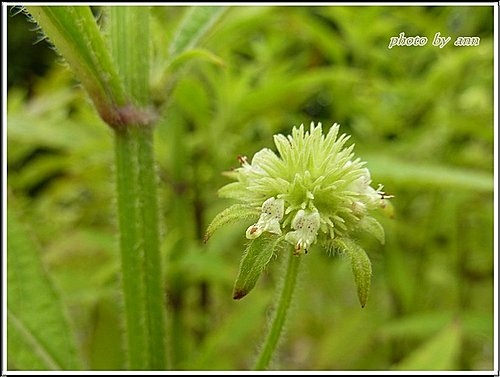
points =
(39, 335)
(361, 267)
(195, 24)
(372, 226)
(231, 214)
(257, 255)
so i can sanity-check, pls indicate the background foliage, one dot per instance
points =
(422, 117)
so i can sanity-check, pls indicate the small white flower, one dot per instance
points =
(371, 196)
(362, 184)
(269, 221)
(306, 225)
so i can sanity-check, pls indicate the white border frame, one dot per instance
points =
(495, 370)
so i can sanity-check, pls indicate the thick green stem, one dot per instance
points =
(129, 41)
(129, 37)
(140, 251)
(148, 197)
(131, 258)
(117, 79)
(280, 313)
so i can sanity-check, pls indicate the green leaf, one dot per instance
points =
(417, 326)
(39, 335)
(361, 267)
(390, 169)
(76, 36)
(422, 325)
(195, 24)
(231, 214)
(372, 226)
(198, 53)
(256, 257)
(440, 352)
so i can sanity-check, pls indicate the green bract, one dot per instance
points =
(313, 191)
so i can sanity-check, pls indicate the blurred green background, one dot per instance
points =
(422, 118)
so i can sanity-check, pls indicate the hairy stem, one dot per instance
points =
(155, 304)
(281, 310)
(130, 247)
(129, 40)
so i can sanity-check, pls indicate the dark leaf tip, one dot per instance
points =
(239, 293)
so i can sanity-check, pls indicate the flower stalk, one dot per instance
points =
(280, 313)
(313, 192)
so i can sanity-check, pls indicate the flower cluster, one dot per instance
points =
(313, 190)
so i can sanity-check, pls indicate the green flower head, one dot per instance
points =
(313, 191)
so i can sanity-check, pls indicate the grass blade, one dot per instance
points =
(39, 334)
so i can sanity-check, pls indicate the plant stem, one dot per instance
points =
(118, 82)
(129, 40)
(155, 305)
(131, 258)
(129, 37)
(280, 313)
(140, 251)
